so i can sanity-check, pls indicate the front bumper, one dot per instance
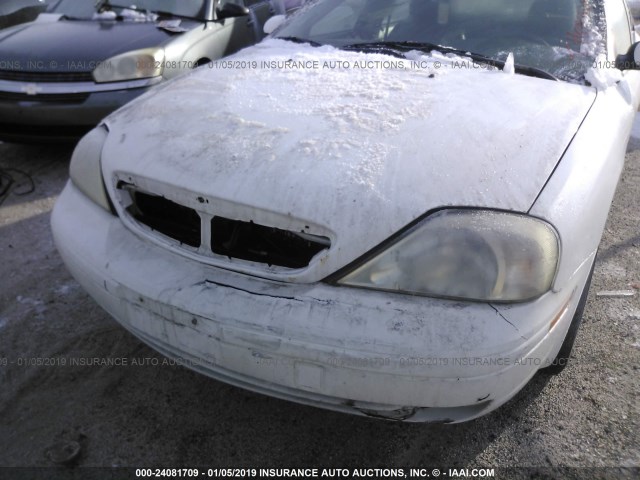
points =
(370, 353)
(60, 112)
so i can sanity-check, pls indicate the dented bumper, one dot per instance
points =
(372, 353)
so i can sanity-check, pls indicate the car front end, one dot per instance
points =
(382, 355)
(63, 73)
(63, 107)
(403, 236)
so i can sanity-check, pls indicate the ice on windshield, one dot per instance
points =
(561, 37)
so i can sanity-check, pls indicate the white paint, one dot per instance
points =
(291, 147)
(357, 154)
(306, 342)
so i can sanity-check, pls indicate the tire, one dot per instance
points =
(201, 62)
(562, 359)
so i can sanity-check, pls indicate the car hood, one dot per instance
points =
(69, 45)
(354, 153)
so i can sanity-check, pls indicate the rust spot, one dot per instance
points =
(562, 311)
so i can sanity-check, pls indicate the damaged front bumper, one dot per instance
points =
(370, 353)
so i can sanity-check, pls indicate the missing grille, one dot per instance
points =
(258, 243)
(229, 238)
(171, 219)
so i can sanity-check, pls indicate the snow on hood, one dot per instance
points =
(359, 152)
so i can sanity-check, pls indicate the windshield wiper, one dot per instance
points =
(407, 46)
(300, 40)
(534, 72)
(171, 14)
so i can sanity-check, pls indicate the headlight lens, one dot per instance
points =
(85, 171)
(145, 63)
(467, 254)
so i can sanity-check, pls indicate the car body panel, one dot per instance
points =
(590, 170)
(25, 43)
(28, 117)
(354, 155)
(416, 359)
(592, 165)
(245, 163)
(620, 29)
(209, 42)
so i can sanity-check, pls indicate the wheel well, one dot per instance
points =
(201, 62)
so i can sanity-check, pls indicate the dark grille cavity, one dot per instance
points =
(46, 77)
(229, 238)
(173, 220)
(44, 98)
(257, 243)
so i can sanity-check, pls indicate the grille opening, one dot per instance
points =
(44, 97)
(257, 243)
(55, 77)
(173, 220)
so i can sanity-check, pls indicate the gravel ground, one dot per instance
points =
(153, 416)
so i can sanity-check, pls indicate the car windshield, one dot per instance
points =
(87, 8)
(73, 8)
(181, 8)
(561, 37)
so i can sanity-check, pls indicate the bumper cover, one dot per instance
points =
(60, 112)
(370, 353)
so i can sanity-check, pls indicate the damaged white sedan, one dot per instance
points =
(388, 208)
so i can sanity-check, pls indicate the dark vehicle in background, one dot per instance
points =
(81, 60)
(13, 12)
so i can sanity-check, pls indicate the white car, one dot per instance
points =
(388, 208)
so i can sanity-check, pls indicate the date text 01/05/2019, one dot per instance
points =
(314, 473)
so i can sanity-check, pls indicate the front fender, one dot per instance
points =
(578, 195)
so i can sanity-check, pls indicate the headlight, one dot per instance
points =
(145, 63)
(467, 254)
(85, 171)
